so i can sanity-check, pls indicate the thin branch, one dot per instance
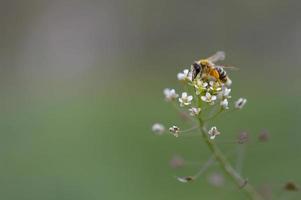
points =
(214, 116)
(204, 167)
(190, 129)
(227, 167)
(240, 157)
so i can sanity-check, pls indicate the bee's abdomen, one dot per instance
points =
(222, 74)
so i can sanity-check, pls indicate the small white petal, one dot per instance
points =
(203, 98)
(180, 76)
(227, 91)
(185, 75)
(166, 91)
(170, 94)
(224, 104)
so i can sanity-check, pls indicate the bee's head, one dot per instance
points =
(196, 69)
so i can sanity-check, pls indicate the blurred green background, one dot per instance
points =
(81, 84)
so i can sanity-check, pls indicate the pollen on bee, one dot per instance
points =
(214, 73)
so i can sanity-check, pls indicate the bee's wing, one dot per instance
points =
(228, 67)
(218, 56)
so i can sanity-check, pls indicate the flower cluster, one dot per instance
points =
(202, 92)
(207, 89)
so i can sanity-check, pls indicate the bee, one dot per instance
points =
(207, 67)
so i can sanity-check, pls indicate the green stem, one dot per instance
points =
(214, 116)
(227, 167)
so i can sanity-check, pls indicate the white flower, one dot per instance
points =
(175, 130)
(212, 84)
(158, 129)
(185, 100)
(208, 98)
(213, 132)
(170, 94)
(215, 86)
(239, 104)
(185, 75)
(194, 111)
(226, 92)
(224, 104)
(200, 86)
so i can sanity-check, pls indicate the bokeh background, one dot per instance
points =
(81, 84)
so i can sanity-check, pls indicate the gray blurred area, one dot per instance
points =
(60, 39)
(81, 83)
